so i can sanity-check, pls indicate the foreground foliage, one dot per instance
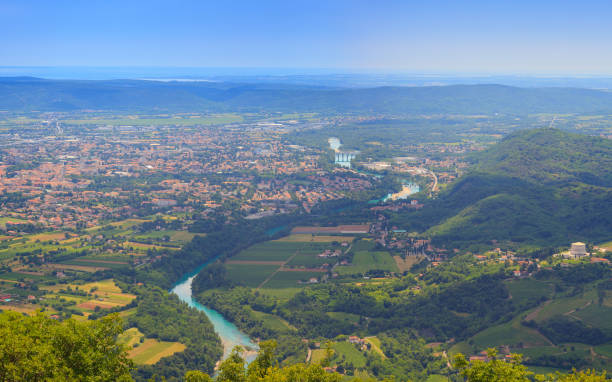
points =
(38, 348)
(514, 371)
(162, 316)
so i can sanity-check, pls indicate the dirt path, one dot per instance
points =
(574, 310)
(532, 316)
(448, 364)
(375, 348)
(276, 271)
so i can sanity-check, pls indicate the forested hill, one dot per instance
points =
(540, 186)
(550, 156)
(25, 93)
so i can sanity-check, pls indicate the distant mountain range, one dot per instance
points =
(539, 186)
(26, 94)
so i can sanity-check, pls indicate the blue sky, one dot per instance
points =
(495, 36)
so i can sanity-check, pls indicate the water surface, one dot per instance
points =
(230, 335)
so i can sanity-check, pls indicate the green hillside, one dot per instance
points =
(539, 186)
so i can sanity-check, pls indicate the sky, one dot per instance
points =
(427, 36)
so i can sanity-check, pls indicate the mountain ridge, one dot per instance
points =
(27, 93)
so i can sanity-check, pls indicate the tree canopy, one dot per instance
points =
(37, 348)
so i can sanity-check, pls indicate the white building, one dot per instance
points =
(578, 249)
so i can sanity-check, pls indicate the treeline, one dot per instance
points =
(562, 329)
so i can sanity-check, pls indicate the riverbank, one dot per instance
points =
(229, 334)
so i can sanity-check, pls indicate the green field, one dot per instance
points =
(350, 353)
(290, 279)
(579, 351)
(152, 121)
(317, 356)
(511, 333)
(527, 290)
(597, 316)
(172, 236)
(249, 275)
(268, 251)
(273, 322)
(130, 337)
(566, 304)
(20, 276)
(364, 261)
(305, 238)
(310, 260)
(605, 350)
(4, 220)
(94, 263)
(436, 378)
(280, 294)
(151, 351)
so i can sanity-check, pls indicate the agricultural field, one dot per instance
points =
(130, 337)
(249, 275)
(4, 220)
(605, 350)
(529, 289)
(348, 351)
(436, 378)
(364, 261)
(281, 264)
(596, 316)
(404, 264)
(89, 297)
(309, 261)
(167, 236)
(317, 356)
(511, 333)
(288, 279)
(308, 238)
(273, 322)
(214, 119)
(269, 251)
(147, 351)
(25, 308)
(280, 294)
(564, 305)
(151, 351)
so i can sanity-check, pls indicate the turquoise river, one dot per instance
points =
(228, 332)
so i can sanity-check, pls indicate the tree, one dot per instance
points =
(265, 360)
(265, 369)
(496, 370)
(197, 376)
(233, 368)
(37, 348)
